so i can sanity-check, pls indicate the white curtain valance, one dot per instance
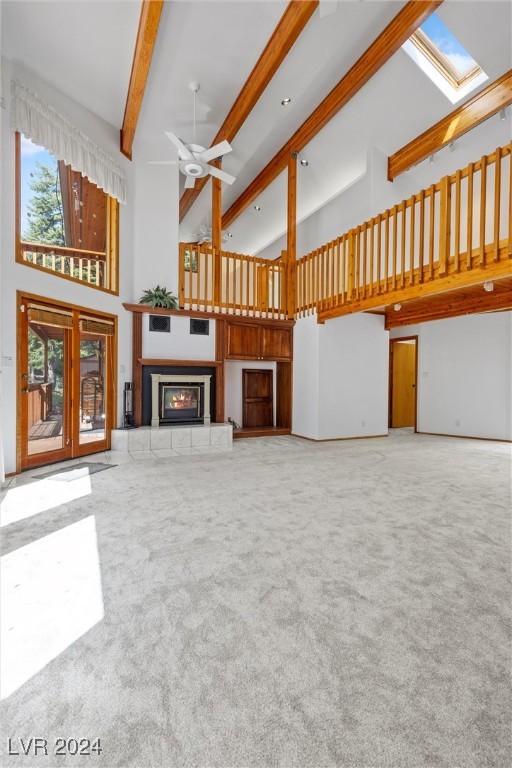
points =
(45, 127)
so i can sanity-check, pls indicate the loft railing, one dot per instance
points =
(88, 266)
(231, 283)
(456, 232)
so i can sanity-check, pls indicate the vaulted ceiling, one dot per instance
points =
(85, 49)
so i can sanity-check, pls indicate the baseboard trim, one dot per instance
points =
(337, 439)
(466, 437)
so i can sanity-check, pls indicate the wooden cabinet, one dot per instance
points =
(242, 341)
(251, 341)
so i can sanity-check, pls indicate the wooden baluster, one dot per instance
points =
(364, 257)
(421, 243)
(358, 262)
(234, 284)
(395, 244)
(344, 259)
(386, 253)
(483, 207)
(372, 264)
(510, 201)
(379, 252)
(254, 287)
(497, 202)
(412, 237)
(469, 250)
(228, 282)
(431, 232)
(198, 280)
(181, 274)
(190, 292)
(402, 243)
(338, 269)
(458, 177)
(445, 220)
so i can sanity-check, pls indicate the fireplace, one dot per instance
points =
(179, 399)
(181, 403)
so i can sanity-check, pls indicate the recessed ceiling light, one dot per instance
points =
(285, 102)
(397, 307)
(257, 208)
(304, 163)
(488, 286)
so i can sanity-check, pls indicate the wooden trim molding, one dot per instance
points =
(290, 26)
(146, 37)
(189, 363)
(488, 102)
(380, 51)
(145, 309)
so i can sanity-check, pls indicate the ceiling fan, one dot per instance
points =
(194, 160)
(203, 235)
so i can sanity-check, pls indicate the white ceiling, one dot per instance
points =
(82, 47)
(217, 43)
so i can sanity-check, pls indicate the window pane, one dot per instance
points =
(445, 42)
(92, 387)
(45, 388)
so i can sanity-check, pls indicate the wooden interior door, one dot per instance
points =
(258, 400)
(403, 383)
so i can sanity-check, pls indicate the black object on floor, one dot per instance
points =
(75, 471)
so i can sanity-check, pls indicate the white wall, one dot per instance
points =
(353, 377)
(156, 193)
(464, 375)
(233, 386)
(340, 386)
(178, 344)
(20, 277)
(306, 353)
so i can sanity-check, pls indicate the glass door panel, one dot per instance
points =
(93, 394)
(47, 389)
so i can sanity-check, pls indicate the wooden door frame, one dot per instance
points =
(258, 370)
(390, 387)
(72, 429)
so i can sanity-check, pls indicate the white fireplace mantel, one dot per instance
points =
(169, 378)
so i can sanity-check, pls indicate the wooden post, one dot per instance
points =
(217, 237)
(291, 237)
(444, 225)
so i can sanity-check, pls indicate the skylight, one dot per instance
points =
(440, 55)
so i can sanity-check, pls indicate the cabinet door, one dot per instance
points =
(242, 341)
(276, 343)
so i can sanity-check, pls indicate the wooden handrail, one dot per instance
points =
(62, 250)
(456, 225)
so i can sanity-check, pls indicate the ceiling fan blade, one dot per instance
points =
(190, 182)
(222, 175)
(163, 162)
(217, 151)
(189, 237)
(185, 153)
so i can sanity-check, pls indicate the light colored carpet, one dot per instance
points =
(287, 604)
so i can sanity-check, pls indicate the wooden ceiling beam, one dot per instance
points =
(291, 24)
(146, 37)
(452, 304)
(488, 102)
(380, 51)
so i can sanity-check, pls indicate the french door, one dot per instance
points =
(66, 377)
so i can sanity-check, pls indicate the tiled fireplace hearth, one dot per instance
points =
(175, 437)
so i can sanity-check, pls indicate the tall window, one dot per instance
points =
(65, 223)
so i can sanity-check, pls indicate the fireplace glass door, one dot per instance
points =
(180, 403)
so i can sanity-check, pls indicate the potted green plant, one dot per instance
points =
(159, 297)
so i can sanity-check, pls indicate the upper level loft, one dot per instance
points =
(455, 233)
